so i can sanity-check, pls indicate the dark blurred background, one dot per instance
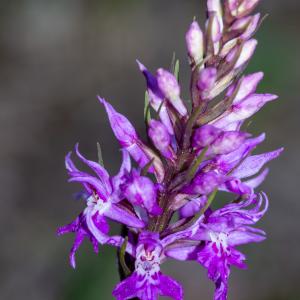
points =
(55, 56)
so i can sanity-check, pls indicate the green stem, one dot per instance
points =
(194, 167)
(122, 253)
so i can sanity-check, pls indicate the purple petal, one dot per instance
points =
(229, 161)
(156, 98)
(241, 237)
(170, 288)
(122, 128)
(258, 180)
(98, 169)
(97, 229)
(69, 163)
(227, 142)
(141, 191)
(252, 27)
(119, 179)
(205, 135)
(244, 109)
(95, 183)
(156, 95)
(204, 183)
(253, 164)
(192, 207)
(126, 134)
(237, 187)
(183, 253)
(123, 216)
(127, 289)
(81, 231)
(77, 242)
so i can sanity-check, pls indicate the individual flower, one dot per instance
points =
(130, 141)
(195, 43)
(147, 282)
(219, 233)
(141, 191)
(103, 202)
(161, 138)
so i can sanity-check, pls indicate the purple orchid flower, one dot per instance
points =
(103, 202)
(140, 190)
(220, 232)
(147, 282)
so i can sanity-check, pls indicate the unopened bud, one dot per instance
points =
(207, 79)
(160, 138)
(205, 136)
(240, 9)
(195, 42)
(246, 53)
(170, 88)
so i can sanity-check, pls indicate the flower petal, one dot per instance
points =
(123, 216)
(253, 164)
(170, 288)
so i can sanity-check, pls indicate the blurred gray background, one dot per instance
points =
(55, 56)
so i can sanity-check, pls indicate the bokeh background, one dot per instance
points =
(55, 56)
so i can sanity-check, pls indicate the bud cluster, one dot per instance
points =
(191, 155)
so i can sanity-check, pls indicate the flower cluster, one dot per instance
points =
(191, 156)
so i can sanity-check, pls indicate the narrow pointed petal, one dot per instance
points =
(120, 177)
(77, 242)
(99, 170)
(125, 134)
(258, 180)
(123, 216)
(95, 183)
(244, 109)
(253, 164)
(122, 128)
(101, 237)
(69, 163)
(156, 97)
